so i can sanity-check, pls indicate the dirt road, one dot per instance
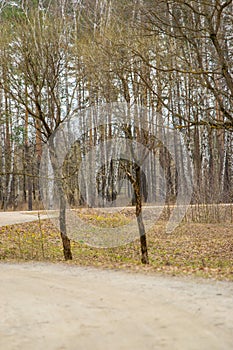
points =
(45, 306)
(19, 217)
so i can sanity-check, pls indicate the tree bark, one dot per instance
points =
(62, 220)
(141, 227)
(62, 203)
(136, 182)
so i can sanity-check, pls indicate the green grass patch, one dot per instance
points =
(104, 220)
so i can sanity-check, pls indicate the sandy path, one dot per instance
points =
(45, 306)
(18, 217)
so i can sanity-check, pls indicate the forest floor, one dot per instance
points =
(197, 249)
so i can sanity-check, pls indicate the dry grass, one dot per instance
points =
(198, 249)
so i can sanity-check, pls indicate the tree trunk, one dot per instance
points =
(136, 182)
(62, 208)
(143, 242)
(141, 227)
(62, 220)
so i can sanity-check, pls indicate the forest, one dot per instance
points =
(170, 59)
